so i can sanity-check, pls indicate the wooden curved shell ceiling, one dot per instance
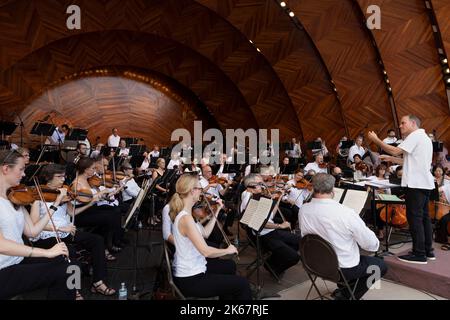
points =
(204, 46)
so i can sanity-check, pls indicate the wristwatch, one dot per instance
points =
(53, 208)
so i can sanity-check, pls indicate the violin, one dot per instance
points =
(219, 180)
(323, 165)
(361, 166)
(23, 196)
(304, 184)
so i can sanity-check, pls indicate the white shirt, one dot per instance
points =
(124, 152)
(131, 191)
(446, 191)
(12, 223)
(57, 137)
(314, 166)
(154, 154)
(340, 226)
(245, 198)
(295, 152)
(188, 261)
(297, 195)
(113, 203)
(355, 150)
(145, 164)
(417, 158)
(390, 140)
(172, 163)
(215, 191)
(59, 217)
(113, 141)
(166, 222)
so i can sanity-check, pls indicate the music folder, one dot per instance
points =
(258, 213)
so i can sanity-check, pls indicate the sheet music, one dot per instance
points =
(355, 199)
(264, 206)
(338, 192)
(249, 211)
(382, 184)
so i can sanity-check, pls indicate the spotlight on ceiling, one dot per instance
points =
(283, 4)
(291, 14)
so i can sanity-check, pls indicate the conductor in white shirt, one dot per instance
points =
(343, 228)
(114, 139)
(417, 151)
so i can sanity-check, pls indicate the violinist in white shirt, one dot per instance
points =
(391, 138)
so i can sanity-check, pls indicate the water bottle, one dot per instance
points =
(123, 293)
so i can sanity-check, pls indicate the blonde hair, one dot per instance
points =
(185, 184)
(159, 161)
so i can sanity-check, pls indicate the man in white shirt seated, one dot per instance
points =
(357, 148)
(174, 162)
(155, 152)
(316, 165)
(298, 193)
(114, 139)
(123, 150)
(391, 138)
(323, 148)
(275, 237)
(345, 231)
(58, 136)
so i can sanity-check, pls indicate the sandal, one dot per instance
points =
(109, 256)
(106, 291)
(445, 247)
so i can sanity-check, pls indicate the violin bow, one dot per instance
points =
(38, 188)
(74, 200)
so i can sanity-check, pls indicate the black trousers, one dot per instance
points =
(106, 220)
(419, 220)
(361, 272)
(36, 273)
(88, 241)
(220, 280)
(441, 229)
(284, 248)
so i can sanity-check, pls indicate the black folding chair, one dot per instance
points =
(320, 260)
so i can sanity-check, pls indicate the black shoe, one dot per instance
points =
(430, 255)
(410, 258)
(339, 295)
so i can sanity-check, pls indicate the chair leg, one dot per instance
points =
(313, 284)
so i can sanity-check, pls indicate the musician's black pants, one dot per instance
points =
(419, 220)
(220, 280)
(284, 247)
(106, 220)
(36, 273)
(363, 271)
(441, 230)
(88, 241)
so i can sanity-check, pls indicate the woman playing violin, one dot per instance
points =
(54, 175)
(106, 218)
(299, 191)
(22, 268)
(161, 190)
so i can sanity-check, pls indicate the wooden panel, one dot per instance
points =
(101, 103)
(185, 22)
(294, 60)
(410, 56)
(341, 38)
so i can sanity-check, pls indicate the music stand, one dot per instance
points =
(132, 222)
(135, 149)
(7, 128)
(438, 146)
(42, 129)
(77, 134)
(231, 168)
(347, 144)
(256, 215)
